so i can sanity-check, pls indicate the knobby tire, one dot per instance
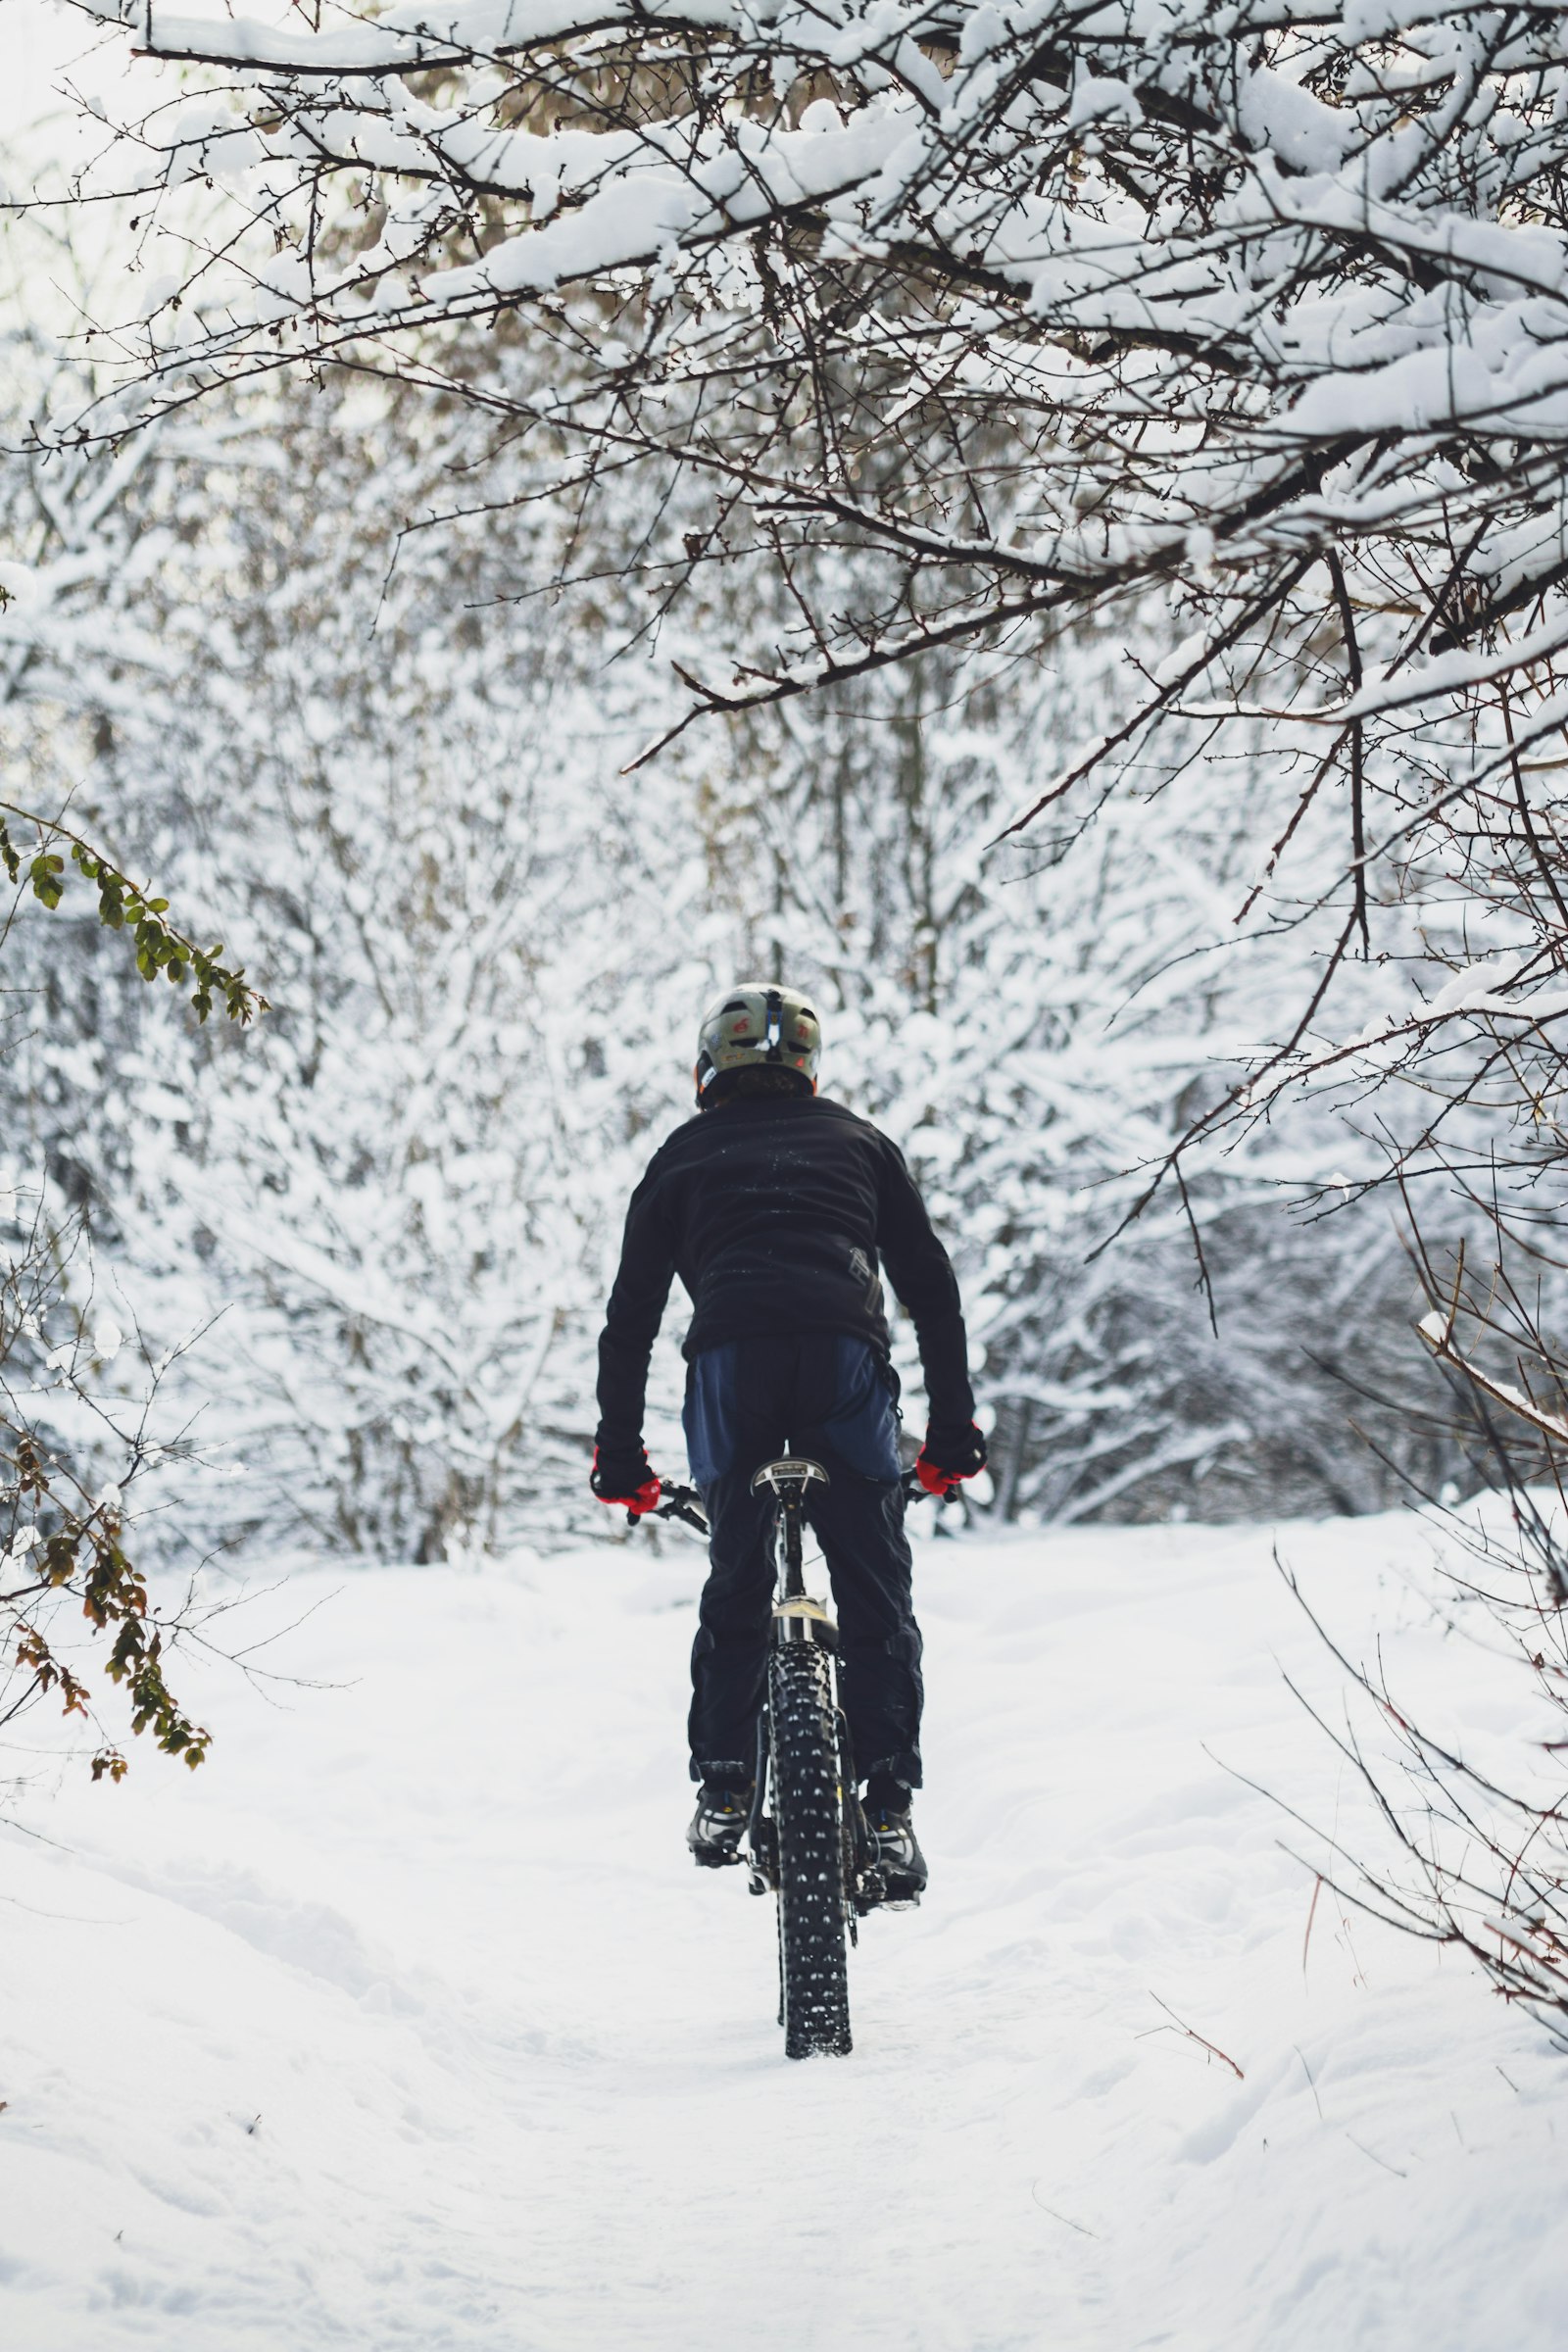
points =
(808, 1806)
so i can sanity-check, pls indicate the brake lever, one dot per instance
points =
(675, 1502)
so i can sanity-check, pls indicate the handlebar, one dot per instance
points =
(685, 1503)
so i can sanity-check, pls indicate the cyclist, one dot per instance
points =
(775, 1206)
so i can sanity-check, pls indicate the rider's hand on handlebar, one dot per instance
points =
(949, 1457)
(625, 1482)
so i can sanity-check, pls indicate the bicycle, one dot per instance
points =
(813, 1849)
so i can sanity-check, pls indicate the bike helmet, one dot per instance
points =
(758, 1027)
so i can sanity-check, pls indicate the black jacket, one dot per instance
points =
(776, 1213)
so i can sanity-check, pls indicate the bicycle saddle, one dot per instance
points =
(790, 1478)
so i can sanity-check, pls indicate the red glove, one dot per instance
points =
(949, 1457)
(627, 1485)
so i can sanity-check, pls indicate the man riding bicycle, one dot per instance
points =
(776, 1207)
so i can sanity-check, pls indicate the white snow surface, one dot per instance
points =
(407, 2022)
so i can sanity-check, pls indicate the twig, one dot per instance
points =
(1376, 2158)
(1065, 2219)
(1317, 1888)
(1305, 2069)
(1212, 2047)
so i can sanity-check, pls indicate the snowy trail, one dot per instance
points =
(407, 2022)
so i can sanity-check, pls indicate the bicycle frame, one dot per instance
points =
(796, 1615)
(810, 1845)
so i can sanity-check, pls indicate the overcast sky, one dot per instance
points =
(34, 37)
(38, 41)
(41, 45)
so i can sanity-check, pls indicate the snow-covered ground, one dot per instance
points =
(407, 2023)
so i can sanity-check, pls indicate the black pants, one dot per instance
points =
(831, 1398)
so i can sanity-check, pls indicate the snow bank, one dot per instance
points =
(407, 2022)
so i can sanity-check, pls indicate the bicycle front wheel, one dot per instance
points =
(808, 1805)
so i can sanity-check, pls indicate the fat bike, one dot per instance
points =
(806, 1840)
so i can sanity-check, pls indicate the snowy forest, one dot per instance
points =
(352, 661)
(1045, 527)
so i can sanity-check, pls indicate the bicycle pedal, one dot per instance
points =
(707, 1860)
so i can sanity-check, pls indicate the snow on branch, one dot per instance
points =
(948, 325)
(1175, 294)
